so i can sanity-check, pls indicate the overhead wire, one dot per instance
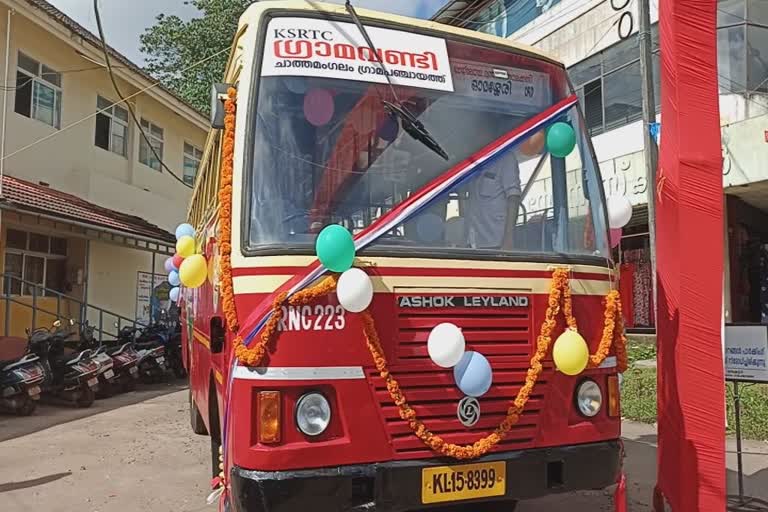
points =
(100, 111)
(119, 93)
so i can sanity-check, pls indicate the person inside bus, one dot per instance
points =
(494, 203)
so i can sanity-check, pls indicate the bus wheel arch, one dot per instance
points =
(214, 426)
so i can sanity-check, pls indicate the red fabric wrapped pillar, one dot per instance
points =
(691, 456)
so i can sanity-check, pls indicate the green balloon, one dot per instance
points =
(335, 248)
(561, 139)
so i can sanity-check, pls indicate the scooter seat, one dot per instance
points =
(12, 348)
(78, 357)
(29, 358)
(117, 350)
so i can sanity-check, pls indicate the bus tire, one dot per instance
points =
(195, 419)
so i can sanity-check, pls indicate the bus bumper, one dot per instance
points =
(396, 486)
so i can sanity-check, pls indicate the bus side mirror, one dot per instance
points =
(218, 97)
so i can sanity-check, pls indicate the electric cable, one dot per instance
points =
(144, 135)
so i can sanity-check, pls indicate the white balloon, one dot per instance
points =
(446, 345)
(619, 211)
(354, 290)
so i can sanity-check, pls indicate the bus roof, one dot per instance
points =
(254, 12)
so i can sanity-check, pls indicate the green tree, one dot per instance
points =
(171, 45)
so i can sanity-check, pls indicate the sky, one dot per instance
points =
(124, 21)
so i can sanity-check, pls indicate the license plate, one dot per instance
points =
(160, 360)
(109, 374)
(34, 391)
(133, 370)
(92, 383)
(466, 482)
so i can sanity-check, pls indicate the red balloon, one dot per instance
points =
(177, 261)
(615, 237)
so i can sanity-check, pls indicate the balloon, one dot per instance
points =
(185, 247)
(389, 129)
(174, 294)
(177, 261)
(619, 211)
(193, 271)
(615, 237)
(173, 278)
(335, 248)
(354, 290)
(533, 145)
(318, 106)
(296, 84)
(168, 265)
(571, 353)
(184, 230)
(446, 345)
(561, 139)
(473, 374)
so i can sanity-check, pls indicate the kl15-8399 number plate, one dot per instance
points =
(466, 482)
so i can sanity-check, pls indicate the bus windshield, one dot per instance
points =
(326, 150)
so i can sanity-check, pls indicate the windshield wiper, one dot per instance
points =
(408, 121)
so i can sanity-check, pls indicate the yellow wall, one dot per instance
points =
(113, 275)
(70, 161)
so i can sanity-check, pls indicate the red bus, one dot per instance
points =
(482, 365)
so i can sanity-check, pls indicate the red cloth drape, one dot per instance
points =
(626, 287)
(689, 224)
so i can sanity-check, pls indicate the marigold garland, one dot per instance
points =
(560, 295)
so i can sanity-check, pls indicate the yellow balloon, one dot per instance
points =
(185, 246)
(193, 271)
(571, 353)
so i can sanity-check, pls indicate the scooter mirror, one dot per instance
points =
(71, 322)
(57, 323)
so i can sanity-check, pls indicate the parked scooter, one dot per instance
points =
(70, 378)
(106, 373)
(21, 375)
(151, 349)
(125, 357)
(167, 334)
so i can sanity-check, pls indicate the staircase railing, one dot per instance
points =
(108, 323)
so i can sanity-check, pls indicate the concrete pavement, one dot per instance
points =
(143, 457)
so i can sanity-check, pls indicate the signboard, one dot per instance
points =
(500, 85)
(746, 348)
(151, 297)
(329, 49)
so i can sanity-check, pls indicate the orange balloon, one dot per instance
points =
(533, 145)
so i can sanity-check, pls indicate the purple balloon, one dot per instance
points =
(318, 106)
(388, 129)
(169, 265)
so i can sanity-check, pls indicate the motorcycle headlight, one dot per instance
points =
(313, 414)
(589, 398)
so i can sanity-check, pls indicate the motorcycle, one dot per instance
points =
(167, 334)
(70, 378)
(106, 373)
(21, 375)
(125, 357)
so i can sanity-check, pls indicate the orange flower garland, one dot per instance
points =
(559, 295)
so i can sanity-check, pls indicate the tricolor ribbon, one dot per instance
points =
(407, 209)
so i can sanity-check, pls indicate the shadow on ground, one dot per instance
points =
(47, 416)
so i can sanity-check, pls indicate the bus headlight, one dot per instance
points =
(313, 414)
(589, 398)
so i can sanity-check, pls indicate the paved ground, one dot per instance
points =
(136, 453)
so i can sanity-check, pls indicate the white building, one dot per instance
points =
(597, 40)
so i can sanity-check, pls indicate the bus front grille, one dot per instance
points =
(504, 336)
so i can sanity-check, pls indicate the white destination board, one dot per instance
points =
(746, 347)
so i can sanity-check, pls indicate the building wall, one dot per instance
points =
(113, 286)
(69, 160)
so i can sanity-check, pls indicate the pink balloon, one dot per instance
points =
(318, 106)
(615, 237)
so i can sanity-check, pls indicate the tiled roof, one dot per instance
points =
(55, 14)
(31, 197)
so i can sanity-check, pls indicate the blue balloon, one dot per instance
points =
(185, 230)
(174, 294)
(174, 279)
(473, 374)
